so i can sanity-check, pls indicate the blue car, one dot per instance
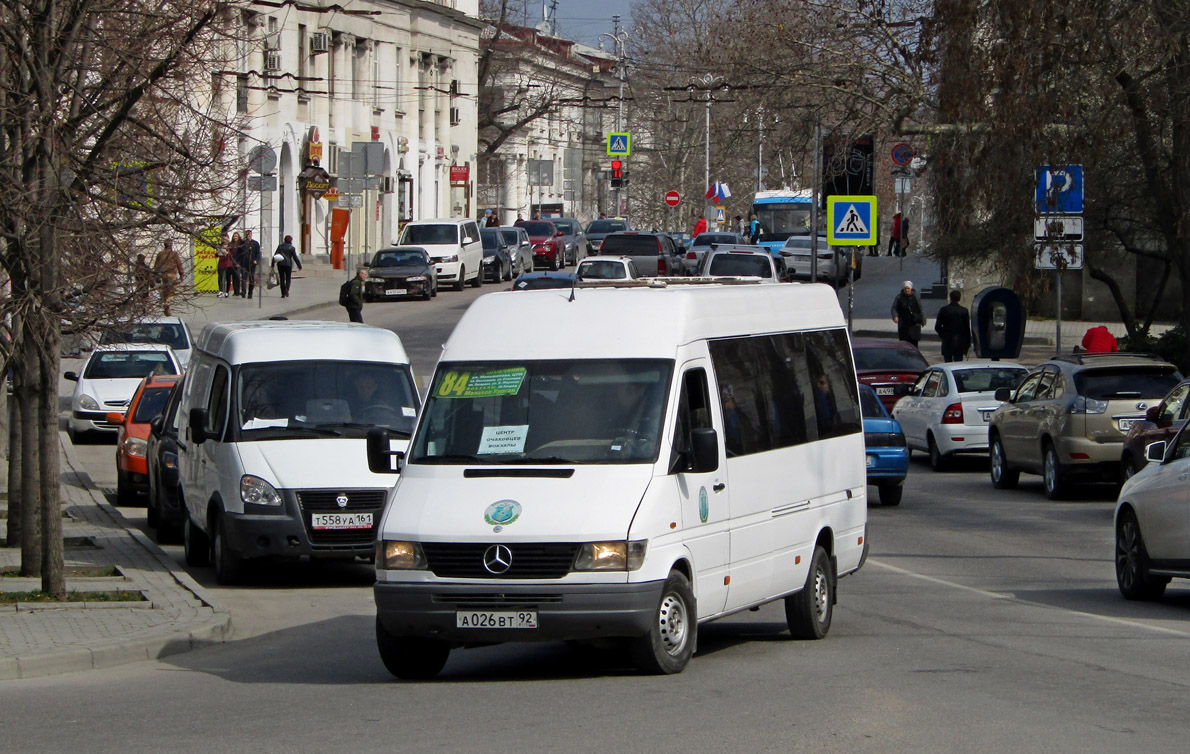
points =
(888, 455)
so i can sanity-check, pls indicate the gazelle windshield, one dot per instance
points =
(544, 412)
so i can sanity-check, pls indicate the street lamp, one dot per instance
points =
(708, 82)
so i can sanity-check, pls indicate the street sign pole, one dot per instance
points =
(1058, 333)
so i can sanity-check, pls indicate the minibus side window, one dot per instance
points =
(836, 404)
(217, 403)
(694, 412)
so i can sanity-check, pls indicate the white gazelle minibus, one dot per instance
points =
(686, 452)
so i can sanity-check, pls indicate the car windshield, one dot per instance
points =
(491, 239)
(398, 259)
(606, 226)
(544, 412)
(869, 405)
(890, 359)
(631, 245)
(600, 269)
(152, 400)
(753, 265)
(171, 334)
(534, 283)
(117, 365)
(538, 229)
(1126, 382)
(286, 399)
(988, 378)
(706, 239)
(510, 236)
(566, 226)
(430, 234)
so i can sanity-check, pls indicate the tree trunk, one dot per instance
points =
(25, 395)
(53, 570)
(13, 535)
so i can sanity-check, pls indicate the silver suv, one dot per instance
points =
(1068, 417)
(743, 261)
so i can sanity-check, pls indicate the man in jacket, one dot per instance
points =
(699, 227)
(284, 265)
(169, 270)
(953, 325)
(251, 260)
(355, 298)
(906, 312)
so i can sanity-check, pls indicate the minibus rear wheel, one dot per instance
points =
(809, 611)
(410, 657)
(669, 644)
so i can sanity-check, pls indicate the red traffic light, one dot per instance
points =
(617, 169)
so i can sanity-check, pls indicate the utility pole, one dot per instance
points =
(619, 38)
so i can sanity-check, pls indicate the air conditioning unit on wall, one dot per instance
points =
(320, 41)
(272, 60)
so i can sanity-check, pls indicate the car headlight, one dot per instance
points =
(400, 556)
(611, 556)
(416, 279)
(451, 258)
(135, 447)
(257, 491)
(87, 403)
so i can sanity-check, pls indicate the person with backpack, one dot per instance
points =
(351, 295)
(284, 258)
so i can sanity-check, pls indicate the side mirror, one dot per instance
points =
(1155, 451)
(73, 377)
(468, 239)
(704, 450)
(1003, 394)
(1152, 414)
(169, 468)
(198, 426)
(114, 417)
(380, 453)
(156, 423)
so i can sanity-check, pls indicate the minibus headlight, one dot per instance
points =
(611, 556)
(400, 556)
(449, 258)
(257, 491)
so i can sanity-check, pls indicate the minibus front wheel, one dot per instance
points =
(410, 658)
(669, 644)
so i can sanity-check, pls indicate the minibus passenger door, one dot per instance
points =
(703, 492)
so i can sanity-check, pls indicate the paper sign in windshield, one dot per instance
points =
(489, 384)
(509, 439)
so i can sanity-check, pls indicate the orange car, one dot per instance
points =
(132, 472)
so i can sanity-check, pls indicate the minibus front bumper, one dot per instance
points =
(564, 612)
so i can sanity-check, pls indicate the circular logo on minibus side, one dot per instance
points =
(704, 508)
(502, 512)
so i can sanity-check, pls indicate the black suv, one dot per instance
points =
(654, 254)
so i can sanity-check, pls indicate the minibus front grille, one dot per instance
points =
(327, 501)
(479, 601)
(529, 560)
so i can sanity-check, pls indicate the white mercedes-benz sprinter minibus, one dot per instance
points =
(690, 451)
(272, 434)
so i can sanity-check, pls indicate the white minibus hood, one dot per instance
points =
(314, 463)
(438, 504)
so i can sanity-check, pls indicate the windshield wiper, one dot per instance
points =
(449, 458)
(359, 425)
(315, 428)
(542, 459)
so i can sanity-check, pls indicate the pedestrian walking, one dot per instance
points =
(739, 225)
(226, 266)
(252, 261)
(894, 240)
(699, 227)
(753, 229)
(239, 253)
(284, 258)
(168, 267)
(953, 325)
(906, 312)
(351, 295)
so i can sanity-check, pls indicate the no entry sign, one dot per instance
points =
(672, 198)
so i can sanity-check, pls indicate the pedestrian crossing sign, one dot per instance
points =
(851, 220)
(619, 145)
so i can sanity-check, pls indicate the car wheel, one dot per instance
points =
(1055, 486)
(938, 462)
(477, 281)
(195, 543)
(125, 495)
(459, 282)
(890, 494)
(434, 289)
(507, 273)
(409, 657)
(1132, 562)
(809, 611)
(556, 264)
(229, 566)
(151, 516)
(1128, 468)
(668, 646)
(1003, 478)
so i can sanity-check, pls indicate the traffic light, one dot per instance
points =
(617, 173)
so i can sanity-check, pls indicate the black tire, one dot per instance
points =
(938, 462)
(668, 646)
(1003, 478)
(507, 273)
(229, 565)
(408, 657)
(1051, 473)
(434, 289)
(1128, 468)
(459, 283)
(152, 518)
(809, 611)
(890, 494)
(478, 281)
(558, 263)
(195, 543)
(125, 495)
(1132, 562)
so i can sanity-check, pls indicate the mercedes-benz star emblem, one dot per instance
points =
(341, 500)
(497, 559)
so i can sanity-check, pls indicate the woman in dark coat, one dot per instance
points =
(906, 312)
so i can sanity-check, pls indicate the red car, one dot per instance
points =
(546, 241)
(132, 470)
(889, 366)
(1161, 422)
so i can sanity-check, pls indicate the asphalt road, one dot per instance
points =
(983, 620)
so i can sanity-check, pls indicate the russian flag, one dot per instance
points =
(718, 192)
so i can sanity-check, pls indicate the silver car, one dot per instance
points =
(520, 247)
(832, 261)
(573, 239)
(703, 242)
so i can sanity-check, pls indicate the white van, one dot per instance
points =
(697, 451)
(271, 439)
(454, 245)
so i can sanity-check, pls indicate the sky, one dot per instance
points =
(585, 20)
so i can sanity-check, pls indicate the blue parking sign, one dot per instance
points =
(1060, 189)
(851, 220)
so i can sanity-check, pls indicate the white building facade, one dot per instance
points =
(369, 110)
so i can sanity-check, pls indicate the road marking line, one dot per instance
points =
(1001, 596)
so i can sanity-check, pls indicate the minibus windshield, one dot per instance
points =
(292, 399)
(544, 412)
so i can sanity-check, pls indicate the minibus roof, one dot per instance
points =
(293, 340)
